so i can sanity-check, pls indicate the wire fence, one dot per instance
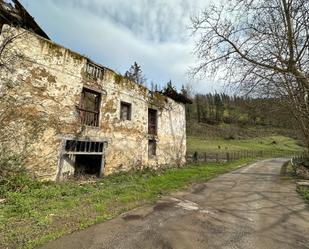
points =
(227, 156)
(301, 159)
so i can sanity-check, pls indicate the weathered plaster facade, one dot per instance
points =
(52, 78)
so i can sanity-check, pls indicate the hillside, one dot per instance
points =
(231, 137)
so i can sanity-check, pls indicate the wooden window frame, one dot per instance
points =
(153, 152)
(129, 114)
(152, 126)
(89, 117)
(84, 147)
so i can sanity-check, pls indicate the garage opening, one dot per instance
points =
(87, 157)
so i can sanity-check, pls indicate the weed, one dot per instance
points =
(304, 192)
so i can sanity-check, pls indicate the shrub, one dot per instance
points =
(230, 137)
(13, 176)
(301, 166)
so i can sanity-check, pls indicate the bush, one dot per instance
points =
(230, 137)
(301, 166)
(13, 176)
(304, 193)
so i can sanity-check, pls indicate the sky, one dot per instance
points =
(116, 33)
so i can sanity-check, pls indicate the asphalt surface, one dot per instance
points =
(252, 207)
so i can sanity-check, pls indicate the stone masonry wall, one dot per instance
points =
(49, 79)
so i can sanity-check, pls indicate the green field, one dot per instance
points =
(268, 143)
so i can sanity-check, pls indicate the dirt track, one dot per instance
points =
(252, 207)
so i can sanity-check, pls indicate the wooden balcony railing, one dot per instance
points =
(89, 118)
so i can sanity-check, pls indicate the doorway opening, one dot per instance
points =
(88, 165)
(83, 158)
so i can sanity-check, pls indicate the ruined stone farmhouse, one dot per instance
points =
(68, 115)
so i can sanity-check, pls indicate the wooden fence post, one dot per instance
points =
(205, 157)
(227, 156)
(217, 157)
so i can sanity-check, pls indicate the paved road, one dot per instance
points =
(252, 207)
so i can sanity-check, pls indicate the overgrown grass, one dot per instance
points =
(304, 192)
(269, 143)
(42, 212)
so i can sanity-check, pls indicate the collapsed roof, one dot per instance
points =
(13, 13)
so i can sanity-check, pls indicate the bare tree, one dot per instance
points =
(262, 46)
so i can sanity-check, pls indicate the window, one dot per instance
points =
(125, 111)
(152, 121)
(89, 107)
(83, 147)
(94, 70)
(152, 147)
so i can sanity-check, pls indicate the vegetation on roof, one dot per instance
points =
(171, 92)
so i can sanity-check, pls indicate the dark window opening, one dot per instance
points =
(75, 146)
(94, 70)
(125, 111)
(89, 108)
(88, 165)
(152, 147)
(152, 121)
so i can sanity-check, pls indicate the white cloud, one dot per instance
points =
(116, 33)
(158, 20)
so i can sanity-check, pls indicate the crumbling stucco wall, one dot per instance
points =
(51, 78)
